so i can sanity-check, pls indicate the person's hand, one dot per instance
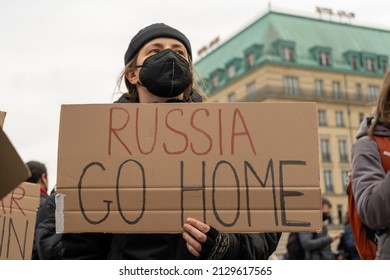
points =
(195, 236)
(336, 236)
(204, 241)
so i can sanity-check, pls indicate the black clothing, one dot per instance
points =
(159, 246)
(48, 243)
(42, 200)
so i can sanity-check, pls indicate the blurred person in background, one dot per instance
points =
(317, 246)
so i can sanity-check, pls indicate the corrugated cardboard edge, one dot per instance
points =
(2, 118)
(59, 213)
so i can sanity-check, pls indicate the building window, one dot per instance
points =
(328, 181)
(252, 54)
(370, 64)
(251, 90)
(288, 53)
(325, 152)
(384, 68)
(343, 152)
(291, 85)
(340, 119)
(336, 90)
(231, 71)
(231, 97)
(250, 60)
(373, 93)
(214, 81)
(359, 93)
(344, 177)
(384, 65)
(324, 58)
(319, 87)
(322, 120)
(355, 62)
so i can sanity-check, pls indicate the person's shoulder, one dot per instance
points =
(364, 143)
(125, 98)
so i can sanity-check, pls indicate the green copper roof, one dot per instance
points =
(305, 34)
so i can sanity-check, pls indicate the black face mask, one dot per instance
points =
(325, 216)
(165, 74)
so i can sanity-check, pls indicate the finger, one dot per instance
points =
(195, 232)
(192, 250)
(192, 242)
(198, 224)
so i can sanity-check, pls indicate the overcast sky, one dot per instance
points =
(71, 52)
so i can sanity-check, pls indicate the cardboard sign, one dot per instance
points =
(13, 171)
(144, 168)
(18, 212)
(2, 118)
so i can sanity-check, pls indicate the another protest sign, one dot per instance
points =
(2, 118)
(18, 212)
(13, 171)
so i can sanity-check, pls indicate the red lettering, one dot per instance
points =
(201, 131)
(14, 198)
(220, 131)
(185, 137)
(155, 132)
(181, 126)
(243, 133)
(112, 130)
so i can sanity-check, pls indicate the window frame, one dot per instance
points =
(322, 117)
(328, 181)
(343, 150)
(325, 150)
(319, 87)
(340, 119)
(291, 85)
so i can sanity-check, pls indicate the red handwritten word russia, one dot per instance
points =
(12, 201)
(199, 120)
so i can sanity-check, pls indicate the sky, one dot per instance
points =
(56, 52)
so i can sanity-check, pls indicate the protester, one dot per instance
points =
(317, 246)
(158, 69)
(38, 176)
(370, 184)
(346, 248)
(48, 242)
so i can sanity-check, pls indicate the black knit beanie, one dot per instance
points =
(151, 32)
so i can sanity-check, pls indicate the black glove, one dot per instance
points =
(215, 246)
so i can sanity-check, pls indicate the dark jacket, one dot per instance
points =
(347, 244)
(317, 245)
(48, 243)
(42, 200)
(160, 246)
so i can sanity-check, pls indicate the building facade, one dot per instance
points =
(287, 58)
